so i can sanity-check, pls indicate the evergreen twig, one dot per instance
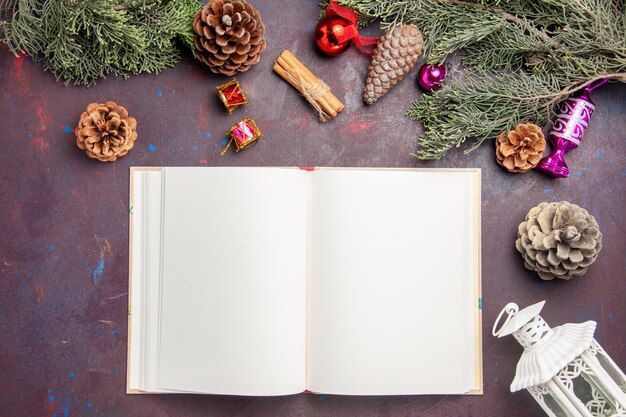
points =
(523, 57)
(80, 41)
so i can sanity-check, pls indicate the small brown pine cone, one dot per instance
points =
(558, 240)
(105, 132)
(396, 53)
(228, 36)
(521, 149)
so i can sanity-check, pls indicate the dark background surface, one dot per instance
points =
(64, 224)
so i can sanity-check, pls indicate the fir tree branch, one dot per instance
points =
(82, 40)
(482, 6)
(561, 94)
(523, 58)
(474, 108)
(505, 15)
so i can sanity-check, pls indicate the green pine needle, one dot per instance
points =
(477, 107)
(80, 41)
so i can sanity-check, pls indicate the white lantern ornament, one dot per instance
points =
(563, 368)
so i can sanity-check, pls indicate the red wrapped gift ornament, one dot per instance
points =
(232, 95)
(244, 134)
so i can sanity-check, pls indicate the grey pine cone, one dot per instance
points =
(558, 240)
(396, 53)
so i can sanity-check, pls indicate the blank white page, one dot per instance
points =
(391, 282)
(234, 281)
(145, 292)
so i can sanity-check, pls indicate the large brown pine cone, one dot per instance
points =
(559, 240)
(396, 53)
(520, 149)
(105, 131)
(228, 36)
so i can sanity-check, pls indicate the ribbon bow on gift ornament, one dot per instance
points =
(334, 32)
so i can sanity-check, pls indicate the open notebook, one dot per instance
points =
(274, 281)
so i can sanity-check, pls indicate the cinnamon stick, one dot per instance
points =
(316, 92)
(294, 83)
(307, 74)
(307, 84)
(291, 59)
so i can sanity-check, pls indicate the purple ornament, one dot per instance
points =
(567, 131)
(430, 77)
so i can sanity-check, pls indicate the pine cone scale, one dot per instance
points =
(216, 6)
(229, 48)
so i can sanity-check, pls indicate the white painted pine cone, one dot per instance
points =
(559, 240)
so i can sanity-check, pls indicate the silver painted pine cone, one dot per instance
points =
(558, 240)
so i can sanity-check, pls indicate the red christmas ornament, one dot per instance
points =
(334, 33)
(331, 35)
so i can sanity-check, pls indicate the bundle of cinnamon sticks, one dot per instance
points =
(314, 90)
